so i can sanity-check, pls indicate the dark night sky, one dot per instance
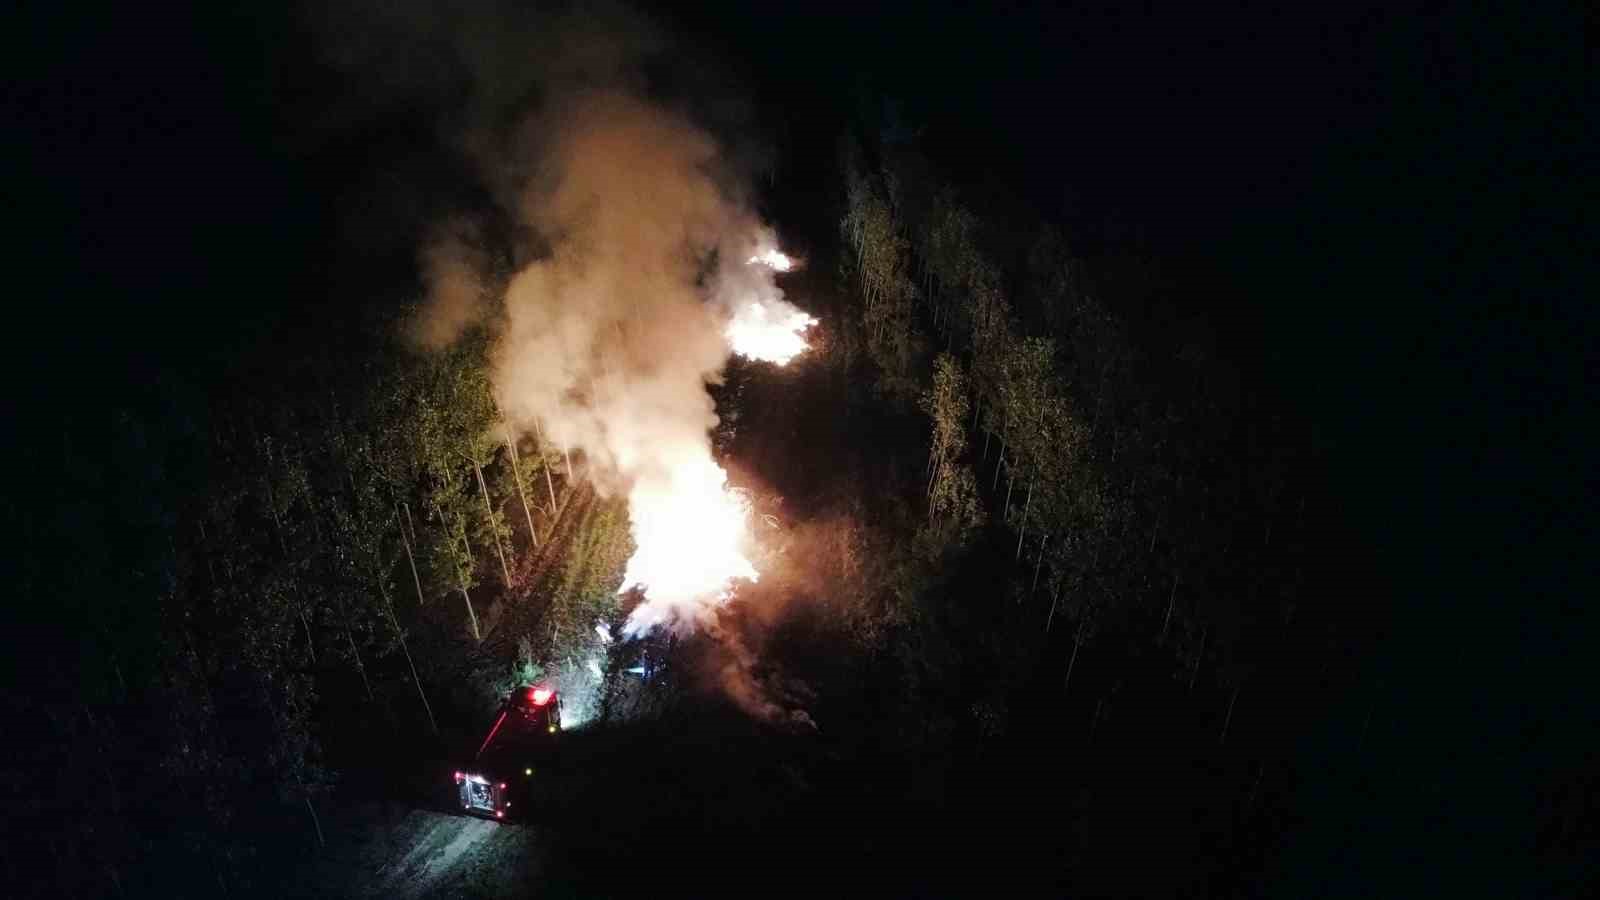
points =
(1373, 207)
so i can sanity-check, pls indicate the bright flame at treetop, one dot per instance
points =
(758, 333)
(772, 259)
(768, 332)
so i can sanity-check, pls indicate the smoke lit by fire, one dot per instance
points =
(611, 339)
(690, 529)
(640, 270)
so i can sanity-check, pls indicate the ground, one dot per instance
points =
(388, 849)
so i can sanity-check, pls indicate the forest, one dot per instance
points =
(1062, 590)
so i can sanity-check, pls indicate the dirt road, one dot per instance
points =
(385, 850)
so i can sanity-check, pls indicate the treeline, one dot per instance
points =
(242, 581)
(1142, 491)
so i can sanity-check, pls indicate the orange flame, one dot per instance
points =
(689, 530)
(760, 333)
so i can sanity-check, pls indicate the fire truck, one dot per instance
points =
(519, 741)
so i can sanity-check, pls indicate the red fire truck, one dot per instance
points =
(523, 732)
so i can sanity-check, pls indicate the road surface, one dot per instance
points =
(392, 850)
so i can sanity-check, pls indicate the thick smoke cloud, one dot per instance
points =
(608, 343)
(455, 271)
(629, 237)
(612, 337)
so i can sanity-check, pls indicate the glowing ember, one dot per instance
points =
(762, 333)
(689, 528)
(772, 259)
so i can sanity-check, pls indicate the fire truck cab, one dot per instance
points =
(518, 742)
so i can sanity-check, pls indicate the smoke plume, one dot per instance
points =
(609, 344)
(455, 271)
(637, 270)
(609, 167)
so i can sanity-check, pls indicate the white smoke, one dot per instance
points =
(454, 267)
(638, 264)
(612, 338)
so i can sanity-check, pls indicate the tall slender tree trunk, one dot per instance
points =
(1170, 601)
(1038, 564)
(360, 666)
(1223, 738)
(412, 560)
(516, 473)
(1076, 643)
(461, 528)
(401, 635)
(538, 435)
(311, 645)
(444, 523)
(409, 523)
(1055, 596)
(1005, 416)
(488, 510)
(472, 614)
(314, 820)
(1024, 527)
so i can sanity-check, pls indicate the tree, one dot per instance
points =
(953, 506)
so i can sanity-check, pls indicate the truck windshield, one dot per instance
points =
(477, 793)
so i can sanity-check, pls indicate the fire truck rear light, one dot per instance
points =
(499, 813)
(540, 696)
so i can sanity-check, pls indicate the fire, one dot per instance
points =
(772, 259)
(690, 529)
(776, 336)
